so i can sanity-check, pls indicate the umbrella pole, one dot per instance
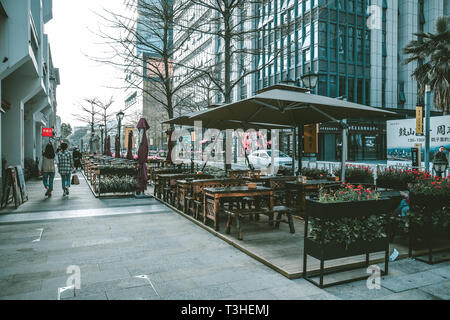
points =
(344, 147)
(300, 148)
(209, 154)
(294, 150)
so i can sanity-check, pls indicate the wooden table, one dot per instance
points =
(212, 197)
(302, 188)
(266, 180)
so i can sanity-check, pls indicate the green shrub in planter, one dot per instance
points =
(316, 174)
(115, 184)
(117, 170)
(396, 178)
(358, 174)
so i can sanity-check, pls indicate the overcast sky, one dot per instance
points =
(72, 36)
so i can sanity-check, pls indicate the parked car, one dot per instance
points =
(262, 158)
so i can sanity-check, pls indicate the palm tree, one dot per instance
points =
(434, 51)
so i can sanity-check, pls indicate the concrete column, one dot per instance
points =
(17, 90)
(38, 135)
(29, 137)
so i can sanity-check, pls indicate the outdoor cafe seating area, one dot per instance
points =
(266, 217)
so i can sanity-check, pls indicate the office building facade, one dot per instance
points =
(355, 47)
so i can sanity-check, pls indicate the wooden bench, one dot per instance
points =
(236, 215)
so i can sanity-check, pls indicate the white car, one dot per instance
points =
(263, 158)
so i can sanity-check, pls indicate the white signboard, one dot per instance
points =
(401, 137)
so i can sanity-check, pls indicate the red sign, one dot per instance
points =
(47, 132)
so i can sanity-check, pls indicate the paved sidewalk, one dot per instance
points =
(140, 249)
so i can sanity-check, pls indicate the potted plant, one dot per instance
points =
(349, 221)
(430, 207)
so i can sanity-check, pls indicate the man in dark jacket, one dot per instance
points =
(77, 158)
(440, 162)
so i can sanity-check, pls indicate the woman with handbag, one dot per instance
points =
(47, 168)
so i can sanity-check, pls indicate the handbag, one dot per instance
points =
(75, 180)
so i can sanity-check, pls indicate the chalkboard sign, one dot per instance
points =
(415, 157)
(22, 186)
(11, 188)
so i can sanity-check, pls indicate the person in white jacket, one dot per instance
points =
(47, 168)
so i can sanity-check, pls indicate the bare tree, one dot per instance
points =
(104, 112)
(235, 25)
(89, 115)
(144, 50)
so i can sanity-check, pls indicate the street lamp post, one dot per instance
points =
(119, 117)
(427, 127)
(309, 81)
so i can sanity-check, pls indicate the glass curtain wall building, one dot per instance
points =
(354, 46)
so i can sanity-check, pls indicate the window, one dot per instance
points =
(351, 44)
(351, 90)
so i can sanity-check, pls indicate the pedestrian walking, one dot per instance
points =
(77, 158)
(47, 168)
(65, 167)
(440, 162)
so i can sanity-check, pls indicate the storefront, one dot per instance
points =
(366, 141)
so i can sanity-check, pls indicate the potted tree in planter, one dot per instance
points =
(346, 222)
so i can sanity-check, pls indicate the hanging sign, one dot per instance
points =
(47, 132)
(419, 121)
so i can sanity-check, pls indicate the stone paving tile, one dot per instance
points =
(139, 293)
(264, 294)
(413, 294)
(440, 290)
(293, 292)
(249, 285)
(100, 276)
(11, 287)
(204, 293)
(323, 296)
(410, 281)
(442, 271)
(168, 288)
(100, 296)
(357, 291)
(44, 294)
